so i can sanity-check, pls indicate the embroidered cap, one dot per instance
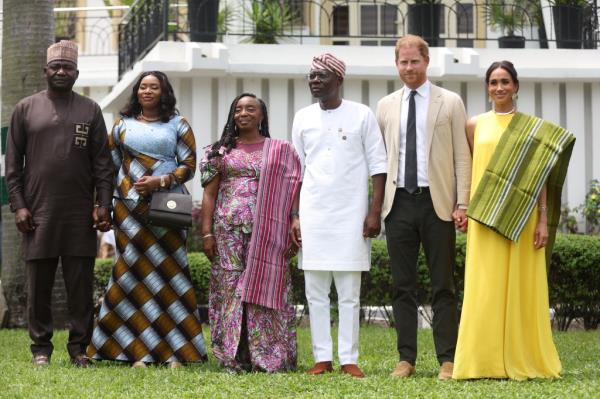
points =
(65, 50)
(331, 63)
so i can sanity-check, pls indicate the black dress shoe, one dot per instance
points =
(41, 360)
(80, 360)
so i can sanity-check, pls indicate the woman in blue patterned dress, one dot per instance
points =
(149, 312)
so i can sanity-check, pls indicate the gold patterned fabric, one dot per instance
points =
(149, 312)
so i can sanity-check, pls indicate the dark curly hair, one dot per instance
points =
(167, 98)
(230, 131)
(507, 66)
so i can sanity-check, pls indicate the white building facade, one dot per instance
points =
(562, 86)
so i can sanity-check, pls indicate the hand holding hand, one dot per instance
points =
(461, 220)
(102, 219)
(24, 220)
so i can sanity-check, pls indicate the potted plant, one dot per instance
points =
(225, 18)
(568, 18)
(509, 17)
(424, 18)
(270, 18)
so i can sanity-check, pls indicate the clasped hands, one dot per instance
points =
(146, 185)
(102, 219)
(460, 218)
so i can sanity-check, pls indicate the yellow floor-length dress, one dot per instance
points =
(505, 323)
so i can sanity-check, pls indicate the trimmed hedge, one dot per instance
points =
(574, 278)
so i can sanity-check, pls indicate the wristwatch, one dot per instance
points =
(163, 183)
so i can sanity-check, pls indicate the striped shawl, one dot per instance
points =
(531, 152)
(263, 281)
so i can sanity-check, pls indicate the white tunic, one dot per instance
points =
(339, 149)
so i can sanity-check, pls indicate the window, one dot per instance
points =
(464, 18)
(340, 21)
(378, 20)
(368, 20)
(388, 19)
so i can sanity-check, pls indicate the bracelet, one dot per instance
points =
(294, 213)
(207, 235)
(542, 208)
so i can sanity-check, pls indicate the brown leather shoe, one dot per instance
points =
(40, 360)
(446, 370)
(353, 370)
(138, 365)
(403, 370)
(320, 368)
(80, 360)
(175, 365)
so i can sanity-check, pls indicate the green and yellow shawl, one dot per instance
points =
(531, 152)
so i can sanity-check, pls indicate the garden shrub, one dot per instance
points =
(102, 272)
(574, 279)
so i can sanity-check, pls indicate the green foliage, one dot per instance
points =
(590, 209)
(225, 18)
(119, 2)
(270, 18)
(574, 279)
(65, 22)
(200, 275)
(510, 16)
(102, 273)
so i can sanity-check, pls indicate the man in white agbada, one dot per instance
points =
(340, 146)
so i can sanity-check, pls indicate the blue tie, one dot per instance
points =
(410, 160)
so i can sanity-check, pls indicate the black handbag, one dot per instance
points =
(172, 210)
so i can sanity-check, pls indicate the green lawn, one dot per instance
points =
(580, 354)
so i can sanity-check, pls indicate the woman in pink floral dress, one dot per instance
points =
(249, 184)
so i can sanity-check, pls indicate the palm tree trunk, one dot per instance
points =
(27, 31)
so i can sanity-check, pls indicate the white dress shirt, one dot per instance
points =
(422, 106)
(339, 149)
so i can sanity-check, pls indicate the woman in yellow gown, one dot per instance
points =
(505, 327)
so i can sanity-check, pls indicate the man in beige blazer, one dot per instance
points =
(426, 195)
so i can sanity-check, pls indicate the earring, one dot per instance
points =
(490, 100)
(515, 96)
(260, 126)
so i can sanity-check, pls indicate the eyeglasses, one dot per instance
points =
(318, 75)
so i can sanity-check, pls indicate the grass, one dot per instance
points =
(579, 350)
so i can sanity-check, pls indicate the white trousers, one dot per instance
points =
(317, 288)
